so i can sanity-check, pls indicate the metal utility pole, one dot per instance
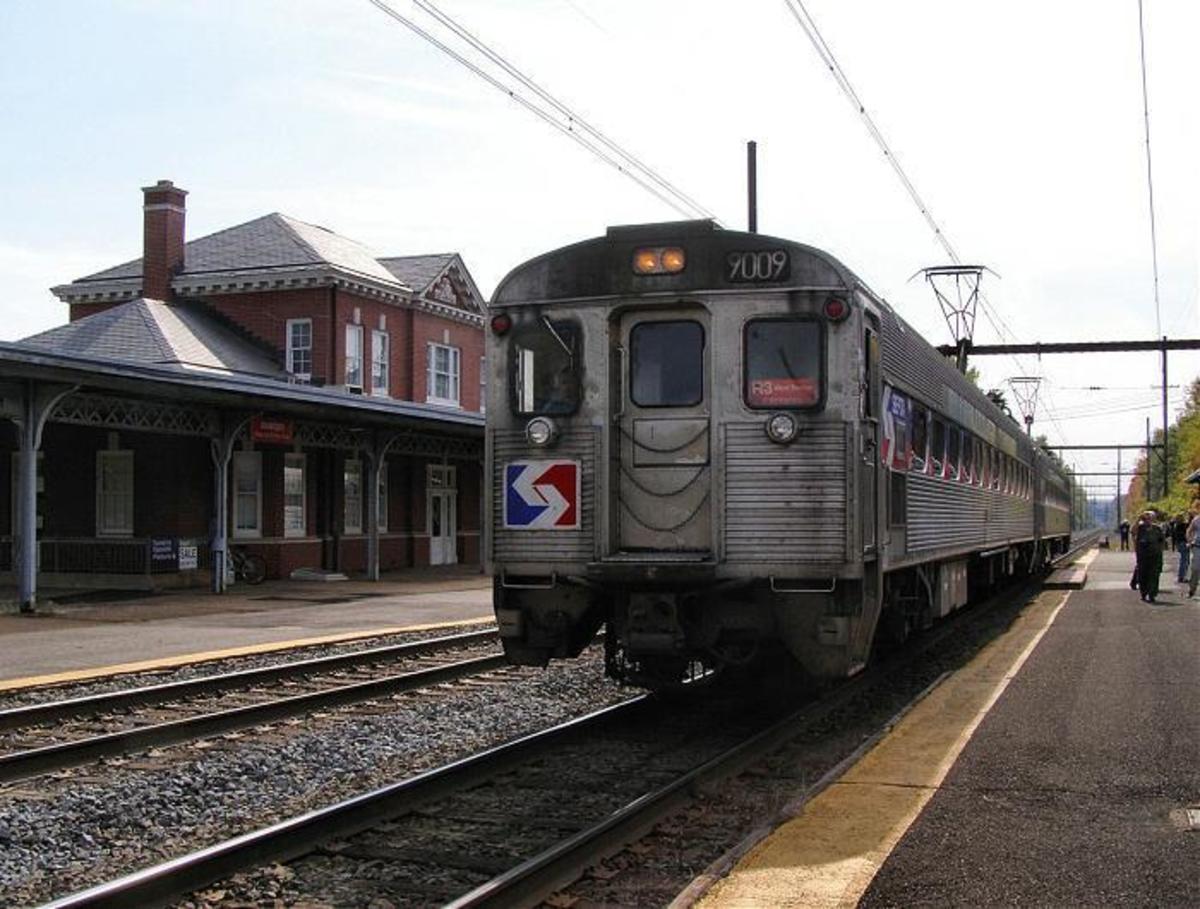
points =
(1118, 487)
(957, 290)
(1025, 390)
(752, 184)
(1149, 460)
(1166, 452)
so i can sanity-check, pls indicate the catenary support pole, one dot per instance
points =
(1166, 449)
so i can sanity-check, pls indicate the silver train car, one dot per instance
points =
(715, 444)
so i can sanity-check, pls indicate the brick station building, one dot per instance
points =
(247, 388)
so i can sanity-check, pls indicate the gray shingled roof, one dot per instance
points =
(149, 332)
(418, 272)
(272, 241)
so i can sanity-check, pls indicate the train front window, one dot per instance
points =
(545, 367)
(783, 363)
(667, 364)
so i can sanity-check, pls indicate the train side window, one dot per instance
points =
(667, 364)
(920, 437)
(783, 363)
(980, 467)
(937, 452)
(968, 458)
(545, 367)
(995, 481)
(953, 437)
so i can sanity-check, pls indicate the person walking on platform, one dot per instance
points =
(1148, 542)
(1179, 529)
(1193, 541)
(1123, 530)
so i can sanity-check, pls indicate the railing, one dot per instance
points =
(88, 555)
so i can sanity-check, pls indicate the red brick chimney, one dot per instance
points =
(162, 238)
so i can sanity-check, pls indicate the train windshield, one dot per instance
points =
(783, 363)
(545, 367)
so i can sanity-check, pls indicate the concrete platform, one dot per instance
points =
(1057, 769)
(86, 639)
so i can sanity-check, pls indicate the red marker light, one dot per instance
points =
(501, 323)
(836, 309)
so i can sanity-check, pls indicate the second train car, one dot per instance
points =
(713, 442)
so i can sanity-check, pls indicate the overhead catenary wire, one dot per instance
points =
(558, 116)
(1149, 172)
(809, 26)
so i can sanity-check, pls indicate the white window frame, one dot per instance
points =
(483, 384)
(293, 348)
(355, 332)
(453, 375)
(352, 521)
(291, 461)
(381, 353)
(123, 458)
(253, 458)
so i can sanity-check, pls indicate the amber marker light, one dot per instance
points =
(658, 260)
(673, 260)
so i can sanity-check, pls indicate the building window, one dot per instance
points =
(444, 371)
(294, 523)
(299, 349)
(483, 384)
(352, 495)
(381, 351)
(114, 493)
(247, 494)
(354, 357)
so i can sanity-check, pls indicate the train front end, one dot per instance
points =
(682, 450)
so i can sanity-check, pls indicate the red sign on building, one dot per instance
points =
(270, 429)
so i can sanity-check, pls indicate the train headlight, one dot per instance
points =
(782, 428)
(541, 431)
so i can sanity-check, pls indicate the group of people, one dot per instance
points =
(1150, 539)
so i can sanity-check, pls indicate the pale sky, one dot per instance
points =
(1019, 122)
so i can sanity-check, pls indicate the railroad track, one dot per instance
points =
(511, 825)
(36, 741)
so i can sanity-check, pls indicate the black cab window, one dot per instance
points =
(545, 367)
(782, 363)
(667, 364)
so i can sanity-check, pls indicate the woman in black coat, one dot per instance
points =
(1149, 541)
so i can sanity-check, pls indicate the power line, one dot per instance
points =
(572, 117)
(1149, 172)
(626, 163)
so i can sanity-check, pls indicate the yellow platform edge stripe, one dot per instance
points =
(830, 852)
(171, 662)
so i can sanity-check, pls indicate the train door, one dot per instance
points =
(869, 448)
(662, 419)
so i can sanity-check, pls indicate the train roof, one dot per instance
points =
(602, 266)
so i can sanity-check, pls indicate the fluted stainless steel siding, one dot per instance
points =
(578, 444)
(785, 503)
(945, 514)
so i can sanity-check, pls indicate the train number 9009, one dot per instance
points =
(761, 265)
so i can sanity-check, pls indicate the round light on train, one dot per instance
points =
(836, 309)
(541, 431)
(673, 260)
(782, 428)
(658, 260)
(501, 323)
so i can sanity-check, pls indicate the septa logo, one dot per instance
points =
(541, 495)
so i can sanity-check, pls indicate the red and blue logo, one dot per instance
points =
(541, 495)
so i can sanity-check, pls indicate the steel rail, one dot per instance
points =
(33, 714)
(536, 879)
(288, 839)
(35, 761)
(539, 877)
